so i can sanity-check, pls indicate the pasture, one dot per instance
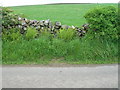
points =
(68, 14)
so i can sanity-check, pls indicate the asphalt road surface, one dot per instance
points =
(103, 76)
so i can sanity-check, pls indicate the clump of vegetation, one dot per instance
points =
(11, 35)
(31, 33)
(9, 20)
(103, 22)
(66, 34)
(10, 31)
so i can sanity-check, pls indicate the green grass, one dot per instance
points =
(69, 14)
(0, 51)
(44, 50)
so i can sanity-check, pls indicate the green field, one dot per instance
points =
(45, 49)
(69, 14)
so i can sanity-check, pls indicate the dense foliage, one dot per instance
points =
(103, 22)
(66, 34)
(9, 20)
(9, 25)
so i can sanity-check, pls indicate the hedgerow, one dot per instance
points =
(103, 22)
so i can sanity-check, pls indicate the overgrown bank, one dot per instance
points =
(98, 46)
(43, 50)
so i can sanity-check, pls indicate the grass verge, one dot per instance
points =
(44, 51)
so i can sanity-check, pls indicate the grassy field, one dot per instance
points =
(70, 14)
(45, 50)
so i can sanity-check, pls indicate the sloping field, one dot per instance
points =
(70, 14)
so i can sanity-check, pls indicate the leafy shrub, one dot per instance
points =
(103, 22)
(31, 33)
(15, 36)
(11, 35)
(9, 20)
(66, 34)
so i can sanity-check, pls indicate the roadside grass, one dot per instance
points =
(44, 51)
(68, 14)
(0, 51)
